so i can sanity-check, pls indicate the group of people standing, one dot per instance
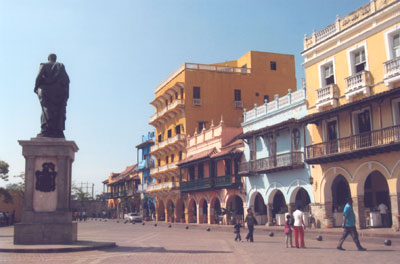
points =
(297, 226)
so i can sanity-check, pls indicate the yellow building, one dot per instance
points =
(352, 70)
(194, 96)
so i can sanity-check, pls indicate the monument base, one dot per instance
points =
(47, 217)
(32, 234)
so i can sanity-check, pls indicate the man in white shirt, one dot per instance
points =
(298, 227)
(383, 210)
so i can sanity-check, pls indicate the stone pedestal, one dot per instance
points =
(46, 217)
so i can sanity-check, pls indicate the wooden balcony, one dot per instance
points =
(392, 72)
(286, 161)
(356, 146)
(208, 183)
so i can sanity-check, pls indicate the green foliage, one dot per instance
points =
(4, 170)
(79, 195)
(7, 198)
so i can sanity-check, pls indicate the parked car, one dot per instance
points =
(135, 217)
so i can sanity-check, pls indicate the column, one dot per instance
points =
(269, 214)
(359, 211)
(395, 209)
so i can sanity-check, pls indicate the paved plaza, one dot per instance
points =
(161, 244)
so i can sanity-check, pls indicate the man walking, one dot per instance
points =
(349, 225)
(251, 221)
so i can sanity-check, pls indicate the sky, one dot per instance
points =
(116, 52)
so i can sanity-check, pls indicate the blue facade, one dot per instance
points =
(145, 163)
(277, 178)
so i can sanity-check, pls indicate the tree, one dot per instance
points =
(4, 170)
(4, 176)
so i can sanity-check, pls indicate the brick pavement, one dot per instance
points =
(150, 244)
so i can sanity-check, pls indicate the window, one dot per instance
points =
(178, 130)
(202, 124)
(196, 92)
(328, 74)
(158, 162)
(266, 98)
(296, 139)
(181, 93)
(169, 133)
(396, 46)
(359, 61)
(392, 41)
(396, 111)
(170, 99)
(166, 160)
(172, 158)
(272, 65)
(176, 96)
(228, 167)
(357, 58)
(180, 155)
(159, 138)
(237, 95)
(331, 136)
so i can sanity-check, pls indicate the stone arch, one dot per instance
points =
(160, 210)
(278, 201)
(170, 211)
(203, 210)
(325, 193)
(259, 208)
(235, 207)
(192, 211)
(179, 211)
(364, 170)
(295, 186)
(216, 210)
(300, 196)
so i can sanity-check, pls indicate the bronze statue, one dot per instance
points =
(52, 88)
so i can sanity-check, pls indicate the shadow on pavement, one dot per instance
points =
(161, 250)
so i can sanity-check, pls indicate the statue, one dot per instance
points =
(52, 88)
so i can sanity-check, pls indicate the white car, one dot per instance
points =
(135, 217)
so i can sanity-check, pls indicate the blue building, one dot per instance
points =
(277, 178)
(145, 163)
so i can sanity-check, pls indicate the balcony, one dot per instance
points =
(216, 68)
(168, 112)
(197, 185)
(164, 168)
(107, 195)
(132, 192)
(238, 104)
(357, 84)
(177, 139)
(146, 164)
(142, 188)
(207, 183)
(392, 72)
(280, 162)
(162, 187)
(356, 146)
(327, 95)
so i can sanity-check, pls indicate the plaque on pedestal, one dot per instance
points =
(47, 217)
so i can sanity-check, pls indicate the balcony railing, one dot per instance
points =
(131, 192)
(162, 186)
(107, 195)
(207, 183)
(358, 83)
(275, 163)
(164, 143)
(198, 184)
(178, 102)
(146, 164)
(279, 104)
(327, 95)
(207, 67)
(392, 72)
(360, 145)
(164, 168)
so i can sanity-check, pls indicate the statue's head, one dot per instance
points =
(52, 57)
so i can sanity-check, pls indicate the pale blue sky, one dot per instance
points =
(117, 51)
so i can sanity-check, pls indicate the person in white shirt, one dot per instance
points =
(383, 210)
(298, 227)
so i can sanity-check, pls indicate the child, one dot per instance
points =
(288, 231)
(237, 227)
